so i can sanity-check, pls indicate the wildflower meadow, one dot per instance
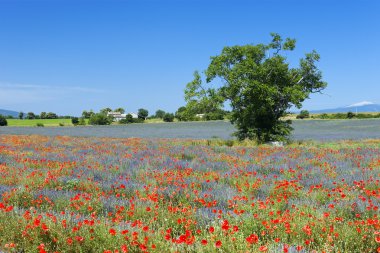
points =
(87, 194)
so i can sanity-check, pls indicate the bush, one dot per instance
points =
(324, 116)
(39, 124)
(82, 121)
(75, 121)
(304, 114)
(338, 116)
(217, 115)
(61, 124)
(128, 119)
(99, 119)
(138, 120)
(350, 115)
(168, 117)
(3, 121)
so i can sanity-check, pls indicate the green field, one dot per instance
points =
(33, 122)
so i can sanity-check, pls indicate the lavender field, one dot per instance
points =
(303, 130)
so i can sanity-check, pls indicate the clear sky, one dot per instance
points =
(67, 56)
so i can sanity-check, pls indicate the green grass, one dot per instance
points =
(157, 120)
(33, 122)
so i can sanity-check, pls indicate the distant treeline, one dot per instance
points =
(42, 115)
(349, 115)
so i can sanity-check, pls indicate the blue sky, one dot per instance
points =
(67, 56)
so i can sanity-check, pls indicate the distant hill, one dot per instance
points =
(364, 106)
(8, 112)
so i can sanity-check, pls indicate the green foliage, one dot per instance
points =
(200, 100)
(43, 115)
(82, 121)
(121, 110)
(138, 120)
(87, 115)
(324, 116)
(168, 117)
(75, 121)
(51, 115)
(30, 115)
(142, 113)
(3, 121)
(21, 115)
(304, 114)
(350, 115)
(99, 119)
(184, 114)
(39, 124)
(215, 115)
(260, 85)
(160, 114)
(129, 119)
(105, 110)
(367, 115)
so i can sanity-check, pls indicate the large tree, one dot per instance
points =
(121, 110)
(106, 110)
(261, 86)
(200, 100)
(142, 113)
(160, 114)
(30, 115)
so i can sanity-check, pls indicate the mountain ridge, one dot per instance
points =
(9, 113)
(364, 106)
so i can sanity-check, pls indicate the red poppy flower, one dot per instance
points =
(112, 231)
(252, 239)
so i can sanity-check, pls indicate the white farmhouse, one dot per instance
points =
(134, 115)
(117, 116)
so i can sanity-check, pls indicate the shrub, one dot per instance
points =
(364, 116)
(216, 115)
(3, 121)
(350, 115)
(303, 114)
(75, 121)
(339, 115)
(99, 119)
(168, 117)
(128, 119)
(82, 121)
(61, 124)
(324, 116)
(138, 120)
(39, 124)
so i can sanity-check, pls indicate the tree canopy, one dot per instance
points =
(142, 113)
(160, 114)
(260, 85)
(120, 109)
